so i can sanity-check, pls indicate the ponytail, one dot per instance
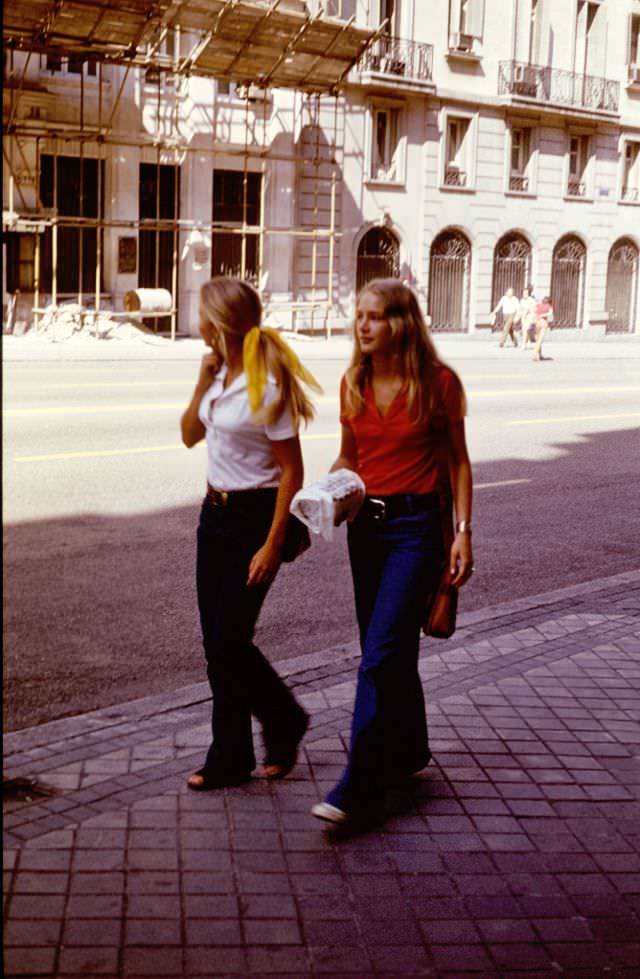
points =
(264, 352)
(234, 308)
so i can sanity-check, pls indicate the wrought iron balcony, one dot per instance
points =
(558, 87)
(454, 177)
(397, 58)
(576, 187)
(518, 183)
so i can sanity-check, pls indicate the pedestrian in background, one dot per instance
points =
(528, 305)
(398, 404)
(248, 402)
(544, 317)
(509, 306)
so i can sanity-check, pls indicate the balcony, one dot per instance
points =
(576, 187)
(454, 176)
(631, 195)
(557, 88)
(518, 184)
(397, 62)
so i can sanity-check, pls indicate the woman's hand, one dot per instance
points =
(264, 565)
(461, 559)
(209, 367)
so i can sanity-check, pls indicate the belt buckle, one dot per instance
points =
(379, 508)
(219, 497)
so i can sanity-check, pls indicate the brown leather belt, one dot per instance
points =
(240, 497)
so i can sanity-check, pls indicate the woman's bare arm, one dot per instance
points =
(462, 486)
(266, 561)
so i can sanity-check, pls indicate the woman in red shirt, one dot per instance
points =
(399, 403)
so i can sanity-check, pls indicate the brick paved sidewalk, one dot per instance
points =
(514, 854)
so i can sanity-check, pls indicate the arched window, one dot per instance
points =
(622, 287)
(511, 265)
(449, 270)
(378, 256)
(567, 282)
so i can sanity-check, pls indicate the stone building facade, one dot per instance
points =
(476, 144)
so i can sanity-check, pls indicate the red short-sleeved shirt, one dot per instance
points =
(396, 455)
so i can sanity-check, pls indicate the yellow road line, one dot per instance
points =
(89, 454)
(573, 418)
(511, 392)
(95, 409)
(97, 453)
(132, 383)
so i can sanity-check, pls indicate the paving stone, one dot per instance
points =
(85, 962)
(517, 848)
(30, 961)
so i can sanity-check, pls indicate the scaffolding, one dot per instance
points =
(251, 48)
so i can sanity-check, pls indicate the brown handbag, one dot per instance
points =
(296, 540)
(441, 604)
(442, 607)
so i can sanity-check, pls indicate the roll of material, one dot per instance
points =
(148, 301)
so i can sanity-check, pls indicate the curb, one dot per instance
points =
(193, 694)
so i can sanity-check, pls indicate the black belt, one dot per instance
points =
(399, 505)
(241, 498)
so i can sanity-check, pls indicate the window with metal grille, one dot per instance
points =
(577, 185)
(457, 163)
(519, 175)
(378, 257)
(567, 282)
(236, 202)
(386, 144)
(631, 172)
(69, 186)
(73, 65)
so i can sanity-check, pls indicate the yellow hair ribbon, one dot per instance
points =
(255, 367)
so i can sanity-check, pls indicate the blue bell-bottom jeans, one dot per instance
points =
(242, 681)
(394, 563)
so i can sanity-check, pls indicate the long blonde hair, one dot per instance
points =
(234, 309)
(419, 362)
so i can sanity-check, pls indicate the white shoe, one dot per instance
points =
(331, 814)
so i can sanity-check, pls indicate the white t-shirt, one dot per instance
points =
(240, 455)
(509, 305)
(528, 309)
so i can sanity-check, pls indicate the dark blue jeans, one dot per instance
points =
(394, 564)
(242, 681)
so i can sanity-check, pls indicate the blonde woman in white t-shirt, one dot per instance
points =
(248, 403)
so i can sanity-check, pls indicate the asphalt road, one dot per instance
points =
(101, 503)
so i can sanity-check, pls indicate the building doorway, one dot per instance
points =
(511, 266)
(567, 282)
(622, 286)
(378, 257)
(449, 272)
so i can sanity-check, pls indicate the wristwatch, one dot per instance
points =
(463, 527)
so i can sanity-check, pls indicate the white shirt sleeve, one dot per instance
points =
(283, 428)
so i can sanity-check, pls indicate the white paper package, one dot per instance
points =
(329, 501)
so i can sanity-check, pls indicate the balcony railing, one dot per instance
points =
(558, 87)
(455, 177)
(576, 188)
(518, 183)
(631, 194)
(398, 58)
